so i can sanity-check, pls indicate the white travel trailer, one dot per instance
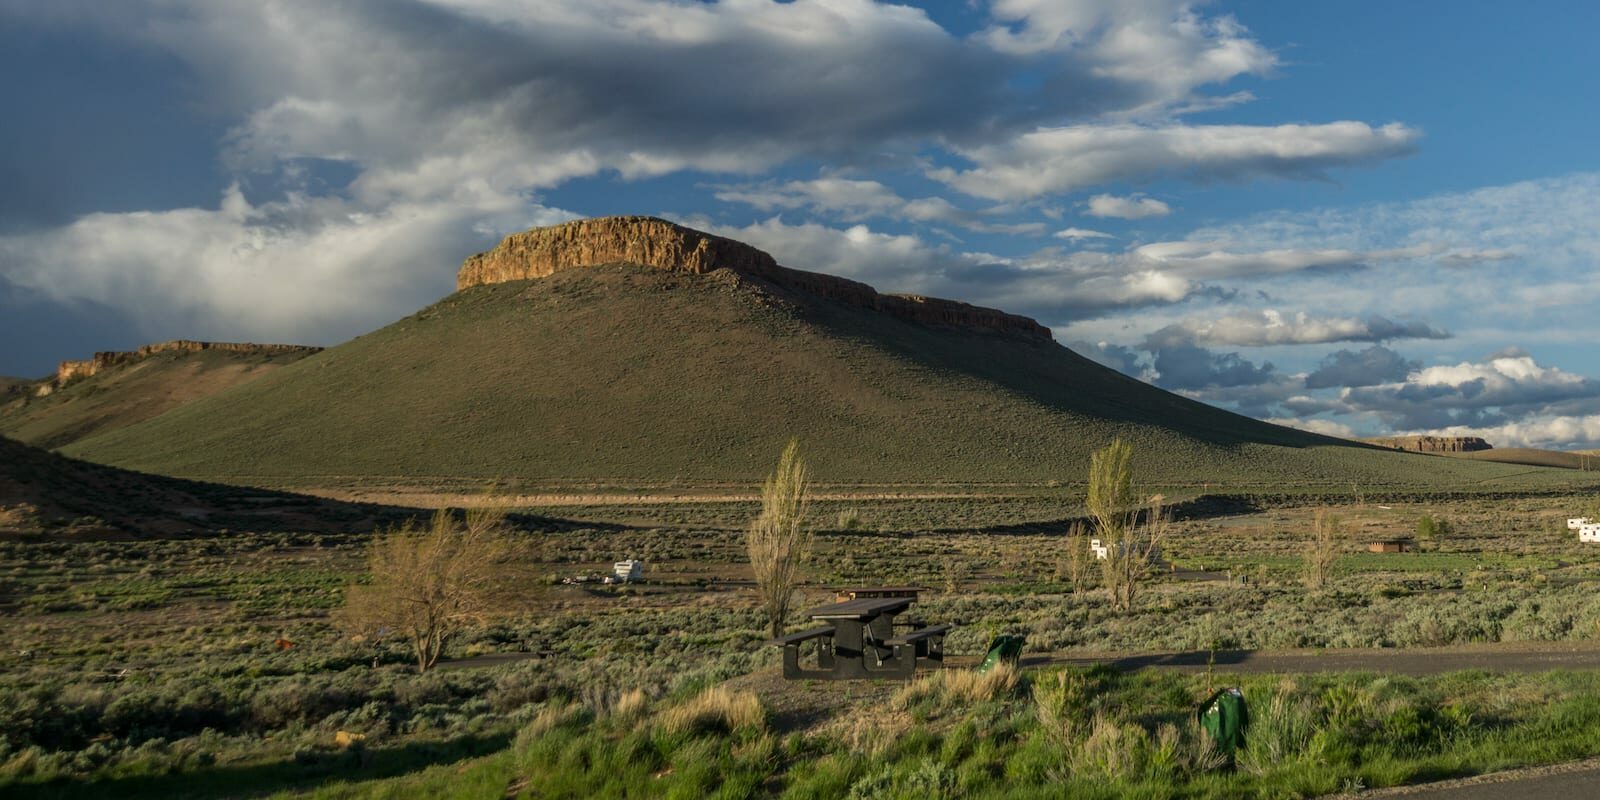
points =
(626, 571)
(1576, 523)
(1101, 552)
(1589, 533)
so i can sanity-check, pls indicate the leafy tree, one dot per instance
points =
(778, 541)
(1130, 530)
(1322, 551)
(1433, 531)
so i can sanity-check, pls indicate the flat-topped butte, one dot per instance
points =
(657, 243)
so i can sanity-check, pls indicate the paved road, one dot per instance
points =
(1499, 657)
(1580, 779)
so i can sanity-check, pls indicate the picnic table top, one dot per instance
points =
(861, 609)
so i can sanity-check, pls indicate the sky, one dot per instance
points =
(1360, 218)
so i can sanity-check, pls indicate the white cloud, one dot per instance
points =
(302, 270)
(1162, 45)
(1136, 207)
(1074, 234)
(1494, 391)
(1272, 327)
(857, 199)
(1051, 161)
(1549, 433)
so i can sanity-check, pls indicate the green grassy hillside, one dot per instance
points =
(1531, 457)
(127, 394)
(622, 373)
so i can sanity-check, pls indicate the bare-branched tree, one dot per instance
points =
(1322, 551)
(428, 583)
(779, 541)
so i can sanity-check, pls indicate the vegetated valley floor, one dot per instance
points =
(153, 668)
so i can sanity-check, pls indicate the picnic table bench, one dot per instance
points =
(859, 640)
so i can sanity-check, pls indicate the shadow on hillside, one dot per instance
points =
(298, 774)
(1056, 377)
(1206, 506)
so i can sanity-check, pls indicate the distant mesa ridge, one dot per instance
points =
(664, 245)
(74, 370)
(1433, 444)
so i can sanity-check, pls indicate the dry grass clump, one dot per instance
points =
(870, 734)
(1061, 701)
(715, 710)
(631, 705)
(551, 717)
(1116, 749)
(960, 687)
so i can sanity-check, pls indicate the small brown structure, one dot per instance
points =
(1391, 546)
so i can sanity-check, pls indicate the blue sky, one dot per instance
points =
(1358, 217)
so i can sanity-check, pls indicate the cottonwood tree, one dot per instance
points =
(429, 582)
(778, 541)
(1322, 550)
(1130, 530)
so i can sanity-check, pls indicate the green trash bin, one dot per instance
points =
(1006, 647)
(1224, 717)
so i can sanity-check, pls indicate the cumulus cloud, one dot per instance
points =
(1370, 367)
(1490, 392)
(1189, 367)
(423, 102)
(1549, 433)
(1135, 207)
(856, 199)
(1051, 161)
(300, 270)
(1270, 327)
(1164, 46)
(1125, 360)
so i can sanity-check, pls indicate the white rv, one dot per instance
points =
(1576, 523)
(627, 571)
(1589, 533)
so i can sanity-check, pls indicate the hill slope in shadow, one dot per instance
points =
(620, 373)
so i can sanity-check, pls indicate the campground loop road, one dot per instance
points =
(1499, 657)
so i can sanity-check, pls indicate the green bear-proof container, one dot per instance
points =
(1005, 647)
(1225, 716)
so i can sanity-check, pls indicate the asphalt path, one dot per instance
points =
(1574, 781)
(1497, 657)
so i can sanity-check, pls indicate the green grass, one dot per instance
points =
(620, 374)
(1129, 736)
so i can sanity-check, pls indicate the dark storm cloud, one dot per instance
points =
(1369, 367)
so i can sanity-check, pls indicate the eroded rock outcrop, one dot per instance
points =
(1433, 444)
(69, 371)
(657, 243)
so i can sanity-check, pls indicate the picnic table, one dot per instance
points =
(862, 638)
